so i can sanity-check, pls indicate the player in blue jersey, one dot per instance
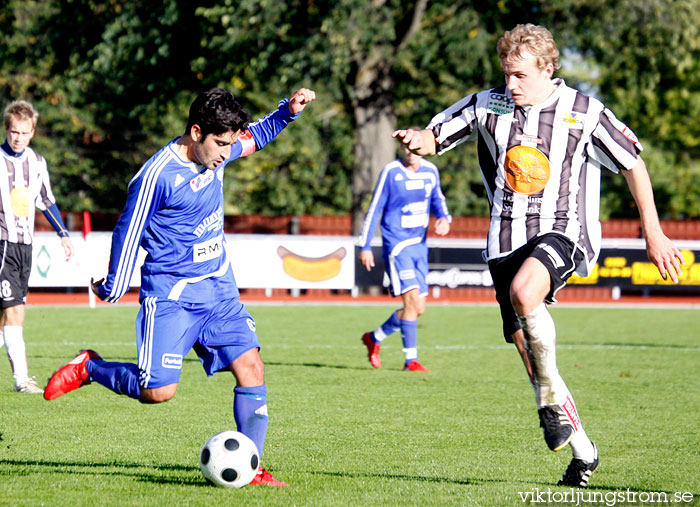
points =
(407, 190)
(189, 297)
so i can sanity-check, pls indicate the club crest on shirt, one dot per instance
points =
(526, 170)
(572, 120)
(500, 103)
(202, 180)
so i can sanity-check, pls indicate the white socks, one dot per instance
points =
(550, 389)
(379, 334)
(410, 353)
(14, 343)
(540, 338)
(581, 446)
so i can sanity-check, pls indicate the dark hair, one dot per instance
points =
(217, 111)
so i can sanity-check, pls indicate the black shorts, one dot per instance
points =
(558, 254)
(15, 266)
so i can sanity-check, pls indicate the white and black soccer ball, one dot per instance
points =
(229, 459)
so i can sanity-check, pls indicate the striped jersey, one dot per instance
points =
(404, 199)
(24, 184)
(540, 164)
(175, 211)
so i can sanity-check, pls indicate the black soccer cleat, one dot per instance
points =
(556, 425)
(578, 472)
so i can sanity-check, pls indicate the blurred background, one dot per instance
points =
(113, 80)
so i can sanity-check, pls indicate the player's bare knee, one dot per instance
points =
(158, 395)
(257, 372)
(412, 303)
(249, 369)
(523, 298)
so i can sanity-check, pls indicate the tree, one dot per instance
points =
(642, 58)
(373, 62)
(119, 87)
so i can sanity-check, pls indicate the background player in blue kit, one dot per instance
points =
(406, 192)
(189, 297)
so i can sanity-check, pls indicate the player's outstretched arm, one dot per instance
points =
(420, 142)
(299, 100)
(661, 250)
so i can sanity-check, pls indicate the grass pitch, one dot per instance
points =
(342, 433)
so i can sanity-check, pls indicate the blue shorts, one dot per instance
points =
(407, 269)
(167, 330)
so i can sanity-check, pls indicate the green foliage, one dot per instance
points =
(342, 433)
(641, 59)
(113, 80)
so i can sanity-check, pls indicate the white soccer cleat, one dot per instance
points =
(29, 387)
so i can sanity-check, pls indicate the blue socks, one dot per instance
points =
(250, 413)
(409, 335)
(122, 378)
(391, 325)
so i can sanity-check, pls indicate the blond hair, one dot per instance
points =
(533, 39)
(20, 110)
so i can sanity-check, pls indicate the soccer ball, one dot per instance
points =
(229, 459)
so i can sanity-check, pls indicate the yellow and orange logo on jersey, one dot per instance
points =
(526, 170)
(19, 199)
(572, 117)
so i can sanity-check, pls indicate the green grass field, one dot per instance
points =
(342, 433)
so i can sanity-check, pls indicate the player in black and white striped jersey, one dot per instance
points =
(541, 147)
(24, 185)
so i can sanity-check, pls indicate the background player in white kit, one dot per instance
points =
(406, 192)
(24, 184)
(189, 297)
(541, 147)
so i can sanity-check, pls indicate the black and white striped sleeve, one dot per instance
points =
(455, 124)
(614, 144)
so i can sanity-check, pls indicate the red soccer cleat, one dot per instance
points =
(71, 376)
(372, 350)
(414, 365)
(264, 478)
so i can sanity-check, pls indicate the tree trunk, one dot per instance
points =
(375, 121)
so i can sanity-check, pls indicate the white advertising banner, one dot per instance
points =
(288, 262)
(259, 261)
(91, 259)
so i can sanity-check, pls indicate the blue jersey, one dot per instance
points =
(404, 200)
(175, 211)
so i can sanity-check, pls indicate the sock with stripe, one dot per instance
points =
(388, 328)
(409, 335)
